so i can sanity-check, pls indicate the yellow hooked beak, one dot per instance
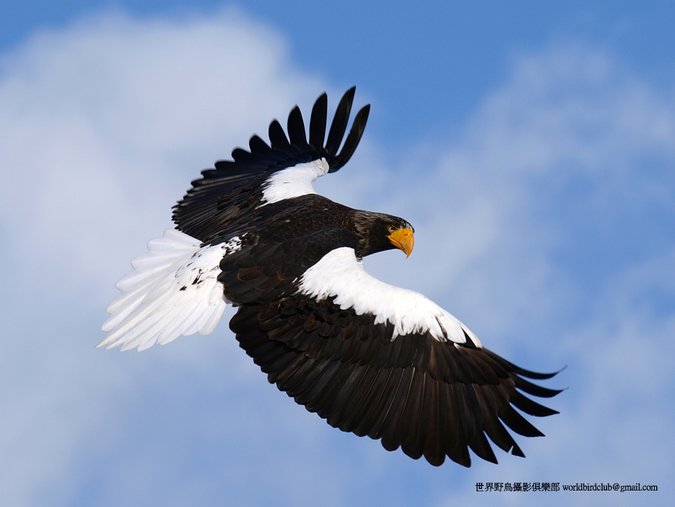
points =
(404, 239)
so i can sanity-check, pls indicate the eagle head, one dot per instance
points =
(378, 232)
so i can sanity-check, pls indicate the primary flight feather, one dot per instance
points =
(370, 358)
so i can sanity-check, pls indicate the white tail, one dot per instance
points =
(173, 291)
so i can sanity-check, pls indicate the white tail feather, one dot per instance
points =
(173, 291)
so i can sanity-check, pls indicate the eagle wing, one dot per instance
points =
(270, 172)
(377, 360)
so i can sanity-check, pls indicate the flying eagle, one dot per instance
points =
(368, 357)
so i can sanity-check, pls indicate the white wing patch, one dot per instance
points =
(293, 181)
(172, 291)
(341, 275)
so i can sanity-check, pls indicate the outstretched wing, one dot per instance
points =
(270, 172)
(381, 361)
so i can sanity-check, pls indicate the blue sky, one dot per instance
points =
(531, 146)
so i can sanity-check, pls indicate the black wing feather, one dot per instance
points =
(353, 137)
(296, 128)
(340, 121)
(317, 123)
(278, 137)
(259, 146)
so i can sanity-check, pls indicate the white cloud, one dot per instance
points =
(101, 124)
(98, 122)
(102, 105)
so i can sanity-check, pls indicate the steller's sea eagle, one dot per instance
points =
(368, 357)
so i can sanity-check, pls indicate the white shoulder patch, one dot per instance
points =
(293, 181)
(341, 275)
(172, 291)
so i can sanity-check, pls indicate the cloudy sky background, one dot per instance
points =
(533, 148)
